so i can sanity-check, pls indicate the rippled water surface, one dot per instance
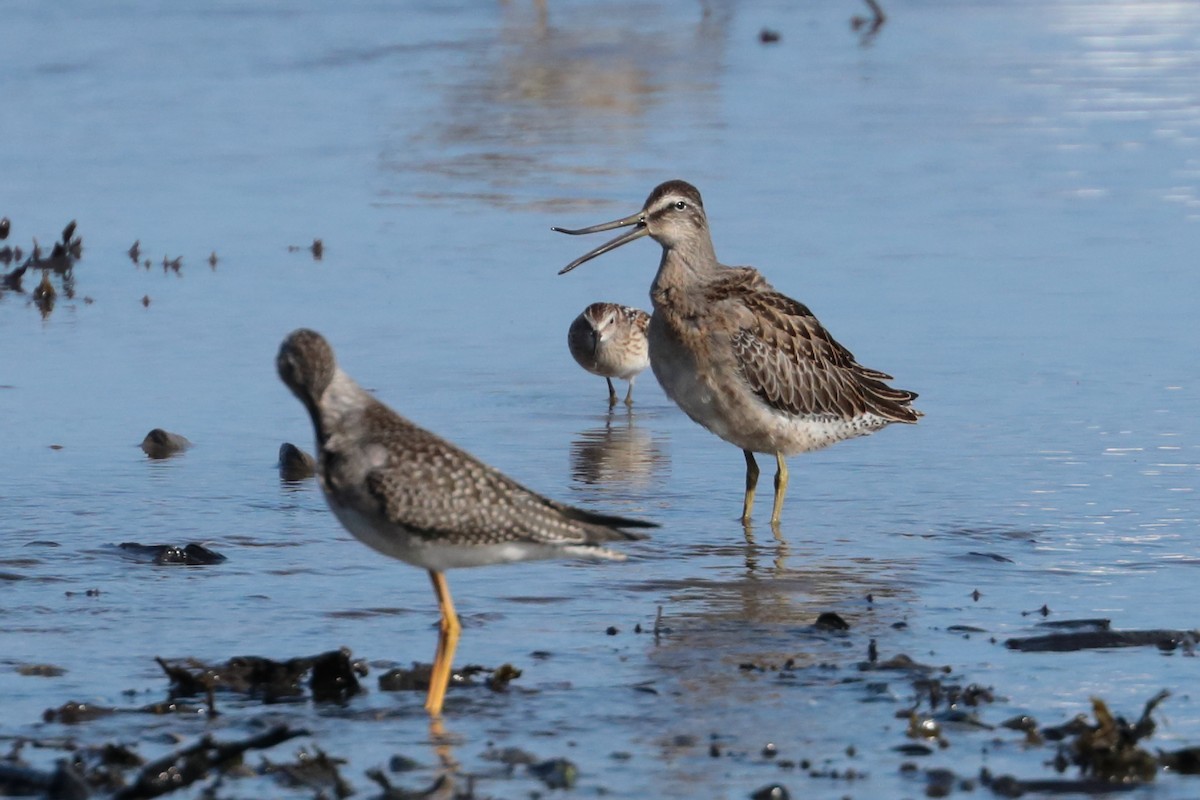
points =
(996, 202)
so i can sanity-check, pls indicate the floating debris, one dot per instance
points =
(44, 295)
(502, 676)
(768, 36)
(160, 444)
(64, 781)
(901, 663)
(1096, 623)
(315, 771)
(1183, 762)
(12, 280)
(317, 248)
(1109, 751)
(1107, 754)
(869, 28)
(194, 762)
(212, 259)
(145, 301)
(60, 264)
(442, 789)
(74, 713)
(5, 227)
(416, 678)
(1095, 639)
(556, 773)
(135, 252)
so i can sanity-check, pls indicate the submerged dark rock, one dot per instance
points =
(831, 621)
(295, 464)
(192, 554)
(331, 677)
(771, 792)
(160, 444)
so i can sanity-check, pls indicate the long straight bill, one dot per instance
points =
(638, 232)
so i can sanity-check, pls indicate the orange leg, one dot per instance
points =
(443, 659)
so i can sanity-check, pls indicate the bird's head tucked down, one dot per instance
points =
(603, 318)
(306, 364)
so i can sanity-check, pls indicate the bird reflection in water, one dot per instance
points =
(618, 455)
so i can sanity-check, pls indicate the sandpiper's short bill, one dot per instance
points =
(609, 340)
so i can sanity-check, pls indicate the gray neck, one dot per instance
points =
(684, 266)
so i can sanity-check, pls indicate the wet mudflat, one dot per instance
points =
(998, 204)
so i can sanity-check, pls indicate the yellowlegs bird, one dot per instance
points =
(752, 365)
(414, 496)
(610, 341)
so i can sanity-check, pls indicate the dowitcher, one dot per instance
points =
(748, 363)
(609, 340)
(414, 496)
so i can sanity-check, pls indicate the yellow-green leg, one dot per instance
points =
(751, 485)
(781, 482)
(443, 659)
(612, 393)
(629, 394)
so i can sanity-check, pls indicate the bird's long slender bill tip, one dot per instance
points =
(638, 232)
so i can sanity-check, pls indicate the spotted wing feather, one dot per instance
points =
(436, 490)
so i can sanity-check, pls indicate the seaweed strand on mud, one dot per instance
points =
(196, 761)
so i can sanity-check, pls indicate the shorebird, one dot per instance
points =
(412, 495)
(609, 340)
(748, 363)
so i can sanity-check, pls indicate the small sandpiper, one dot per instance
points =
(414, 496)
(609, 340)
(751, 365)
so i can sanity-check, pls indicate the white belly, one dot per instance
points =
(440, 555)
(714, 395)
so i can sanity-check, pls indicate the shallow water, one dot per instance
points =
(998, 203)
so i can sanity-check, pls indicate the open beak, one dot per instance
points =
(638, 220)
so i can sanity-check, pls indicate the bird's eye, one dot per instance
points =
(680, 205)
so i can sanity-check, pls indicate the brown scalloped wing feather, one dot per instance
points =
(791, 362)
